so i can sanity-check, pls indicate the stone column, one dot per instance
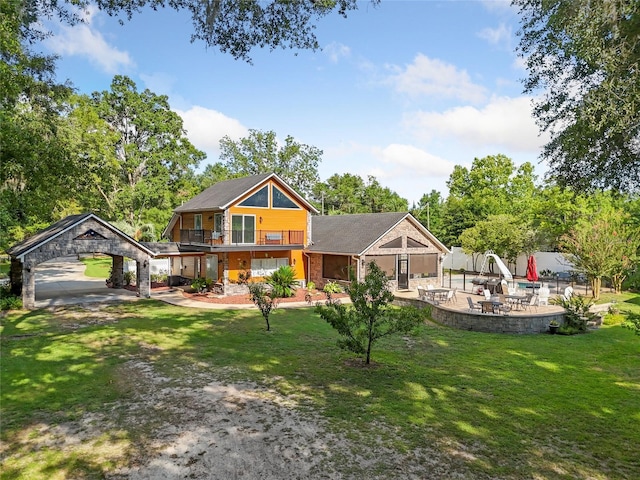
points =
(15, 277)
(117, 271)
(29, 287)
(143, 278)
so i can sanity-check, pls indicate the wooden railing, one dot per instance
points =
(243, 237)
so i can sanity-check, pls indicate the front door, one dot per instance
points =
(403, 272)
(212, 267)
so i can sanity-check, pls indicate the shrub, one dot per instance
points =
(265, 302)
(311, 286)
(201, 284)
(8, 301)
(127, 277)
(632, 322)
(577, 313)
(331, 288)
(283, 282)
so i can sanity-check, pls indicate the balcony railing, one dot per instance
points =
(243, 237)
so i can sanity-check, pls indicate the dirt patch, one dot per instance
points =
(245, 300)
(190, 426)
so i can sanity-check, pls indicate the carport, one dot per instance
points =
(75, 235)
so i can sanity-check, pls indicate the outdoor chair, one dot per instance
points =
(473, 306)
(449, 296)
(422, 294)
(455, 290)
(543, 296)
(532, 302)
(487, 294)
(568, 293)
(429, 287)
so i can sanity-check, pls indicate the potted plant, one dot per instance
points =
(553, 327)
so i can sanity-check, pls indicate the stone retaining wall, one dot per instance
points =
(485, 322)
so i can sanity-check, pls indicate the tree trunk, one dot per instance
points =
(596, 283)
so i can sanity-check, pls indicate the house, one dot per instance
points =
(248, 227)
(237, 229)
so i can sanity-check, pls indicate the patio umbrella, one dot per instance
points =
(532, 269)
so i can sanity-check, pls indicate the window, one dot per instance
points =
(197, 221)
(217, 222)
(243, 229)
(387, 264)
(280, 200)
(261, 267)
(423, 266)
(336, 267)
(258, 199)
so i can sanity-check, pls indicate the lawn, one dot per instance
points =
(484, 405)
(97, 267)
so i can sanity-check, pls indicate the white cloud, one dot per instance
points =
(205, 128)
(433, 77)
(497, 36)
(336, 51)
(503, 122)
(412, 161)
(85, 41)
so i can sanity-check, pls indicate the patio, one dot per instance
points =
(456, 313)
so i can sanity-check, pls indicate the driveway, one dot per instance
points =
(61, 281)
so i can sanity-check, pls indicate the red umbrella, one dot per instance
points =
(532, 269)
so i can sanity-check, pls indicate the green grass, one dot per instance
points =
(97, 267)
(518, 406)
(5, 267)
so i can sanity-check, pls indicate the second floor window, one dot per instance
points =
(197, 221)
(243, 229)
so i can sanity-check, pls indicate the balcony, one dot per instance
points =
(242, 237)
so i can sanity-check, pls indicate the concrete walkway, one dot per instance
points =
(62, 282)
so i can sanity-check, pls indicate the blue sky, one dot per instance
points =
(403, 91)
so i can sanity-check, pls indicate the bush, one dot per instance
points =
(127, 277)
(632, 322)
(311, 286)
(283, 282)
(332, 287)
(577, 313)
(8, 301)
(201, 284)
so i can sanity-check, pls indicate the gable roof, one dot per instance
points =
(355, 234)
(61, 226)
(223, 194)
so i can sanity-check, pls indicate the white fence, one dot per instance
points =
(556, 262)
(159, 266)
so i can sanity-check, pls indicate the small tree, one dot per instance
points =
(265, 302)
(370, 317)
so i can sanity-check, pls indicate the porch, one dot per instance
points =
(242, 237)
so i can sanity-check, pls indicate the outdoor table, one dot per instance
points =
(432, 293)
(490, 306)
(516, 300)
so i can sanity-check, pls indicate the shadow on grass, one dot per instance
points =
(496, 404)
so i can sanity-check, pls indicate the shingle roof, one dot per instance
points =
(51, 231)
(59, 227)
(350, 234)
(221, 194)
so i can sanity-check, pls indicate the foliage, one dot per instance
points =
(8, 301)
(311, 286)
(128, 277)
(429, 212)
(435, 387)
(577, 313)
(492, 186)
(584, 56)
(632, 322)
(331, 288)
(349, 193)
(260, 152)
(283, 282)
(265, 302)
(602, 245)
(370, 317)
(201, 284)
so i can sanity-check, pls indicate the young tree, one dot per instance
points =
(585, 56)
(370, 317)
(604, 245)
(265, 302)
(295, 163)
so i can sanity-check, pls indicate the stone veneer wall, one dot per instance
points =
(485, 322)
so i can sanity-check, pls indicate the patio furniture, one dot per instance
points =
(490, 306)
(422, 294)
(532, 302)
(487, 294)
(543, 296)
(568, 293)
(516, 301)
(449, 296)
(473, 306)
